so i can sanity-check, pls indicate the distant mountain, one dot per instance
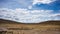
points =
(52, 22)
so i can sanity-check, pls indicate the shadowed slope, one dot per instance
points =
(52, 22)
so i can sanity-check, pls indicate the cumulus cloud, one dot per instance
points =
(43, 1)
(28, 16)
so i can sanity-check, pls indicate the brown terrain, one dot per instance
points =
(12, 27)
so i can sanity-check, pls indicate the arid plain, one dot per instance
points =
(12, 27)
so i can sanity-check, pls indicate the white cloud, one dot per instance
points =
(29, 7)
(43, 1)
(40, 2)
(27, 16)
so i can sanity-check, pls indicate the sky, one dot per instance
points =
(30, 11)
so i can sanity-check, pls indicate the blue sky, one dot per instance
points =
(18, 10)
(24, 3)
(53, 6)
(14, 3)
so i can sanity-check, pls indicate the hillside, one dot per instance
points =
(52, 22)
(47, 27)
